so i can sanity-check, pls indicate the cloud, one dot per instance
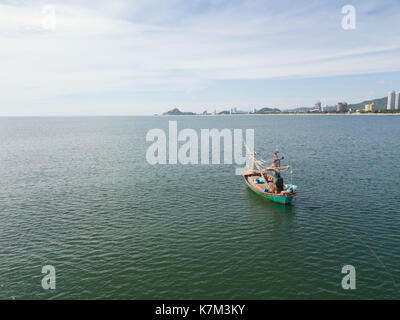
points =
(384, 83)
(180, 46)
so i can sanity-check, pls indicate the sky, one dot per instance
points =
(145, 57)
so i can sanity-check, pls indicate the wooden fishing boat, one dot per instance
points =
(265, 179)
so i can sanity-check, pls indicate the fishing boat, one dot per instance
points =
(264, 178)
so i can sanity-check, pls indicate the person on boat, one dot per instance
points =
(278, 182)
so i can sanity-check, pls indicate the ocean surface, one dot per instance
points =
(78, 194)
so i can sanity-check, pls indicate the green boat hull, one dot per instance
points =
(273, 197)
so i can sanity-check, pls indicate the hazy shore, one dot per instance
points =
(287, 114)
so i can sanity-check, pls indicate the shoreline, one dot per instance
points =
(283, 114)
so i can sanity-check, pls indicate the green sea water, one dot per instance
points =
(78, 194)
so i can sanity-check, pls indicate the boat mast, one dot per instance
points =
(251, 154)
(277, 162)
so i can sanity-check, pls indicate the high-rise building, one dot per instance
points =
(391, 98)
(397, 101)
(342, 107)
(318, 105)
(370, 107)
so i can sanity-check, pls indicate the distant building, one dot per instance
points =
(390, 101)
(397, 101)
(370, 107)
(233, 111)
(318, 106)
(215, 112)
(342, 107)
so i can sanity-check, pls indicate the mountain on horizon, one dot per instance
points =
(300, 109)
(380, 104)
(177, 112)
(268, 110)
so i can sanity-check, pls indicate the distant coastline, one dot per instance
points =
(374, 106)
(297, 114)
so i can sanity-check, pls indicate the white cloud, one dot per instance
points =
(384, 83)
